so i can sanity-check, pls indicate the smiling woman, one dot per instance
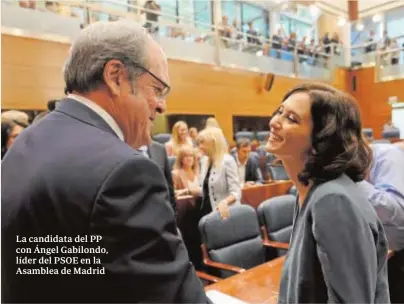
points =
(338, 249)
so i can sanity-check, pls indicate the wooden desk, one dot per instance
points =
(256, 285)
(255, 195)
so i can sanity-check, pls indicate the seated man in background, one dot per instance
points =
(248, 168)
(385, 190)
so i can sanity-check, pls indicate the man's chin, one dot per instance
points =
(140, 141)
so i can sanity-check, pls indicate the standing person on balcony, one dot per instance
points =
(302, 49)
(335, 41)
(338, 248)
(313, 50)
(225, 31)
(385, 40)
(291, 42)
(152, 16)
(395, 56)
(252, 34)
(371, 43)
(326, 43)
(277, 42)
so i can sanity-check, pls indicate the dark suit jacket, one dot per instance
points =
(157, 152)
(252, 170)
(71, 175)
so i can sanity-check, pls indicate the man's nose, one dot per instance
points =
(161, 106)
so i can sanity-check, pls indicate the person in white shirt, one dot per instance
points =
(248, 166)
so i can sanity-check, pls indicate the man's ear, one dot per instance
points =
(114, 72)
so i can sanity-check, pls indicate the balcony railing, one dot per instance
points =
(183, 38)
(390, 64)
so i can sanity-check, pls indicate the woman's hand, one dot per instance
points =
(249, 184)
(181, 192)
(223, 210)
(194, 191)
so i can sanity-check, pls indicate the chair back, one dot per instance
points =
(162, 138)
(293, 190)
(277, 172)
(261, 151)
(276, 215)
(262, 136)
(236, 240)
(171, 162)
(394, 133)
(245, 134)
(367, 132)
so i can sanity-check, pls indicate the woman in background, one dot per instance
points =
(193, 133)
(211, 122)
(220, 182)
(9, 131)
(338, 248)
(179, 138)
(186, 171)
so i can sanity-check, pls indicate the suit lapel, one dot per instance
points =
(80, 112)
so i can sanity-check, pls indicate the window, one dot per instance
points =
(203, 14)
(169, 8)
(360, 37)
(119, 5)
(301, 29)
(256, 14)
(231, 9)
(394, 24)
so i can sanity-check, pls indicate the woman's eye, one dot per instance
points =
(292, 118)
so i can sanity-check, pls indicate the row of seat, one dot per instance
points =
(248, 237)
(393, 133)
(261, 136)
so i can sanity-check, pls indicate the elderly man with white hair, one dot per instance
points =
(74, 185)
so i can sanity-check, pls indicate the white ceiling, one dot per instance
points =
(339, 7)
(365, 7)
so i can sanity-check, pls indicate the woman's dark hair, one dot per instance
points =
(337, 140)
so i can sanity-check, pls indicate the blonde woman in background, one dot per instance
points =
(179, 138)
(186, 171)
(220, 183)
(211, 122)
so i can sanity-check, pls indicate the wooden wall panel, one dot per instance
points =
(373, 96)
(31, 72)
(32, 75)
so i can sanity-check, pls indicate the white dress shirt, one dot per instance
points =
(241, 170)
(101, 112)
(144, 149)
